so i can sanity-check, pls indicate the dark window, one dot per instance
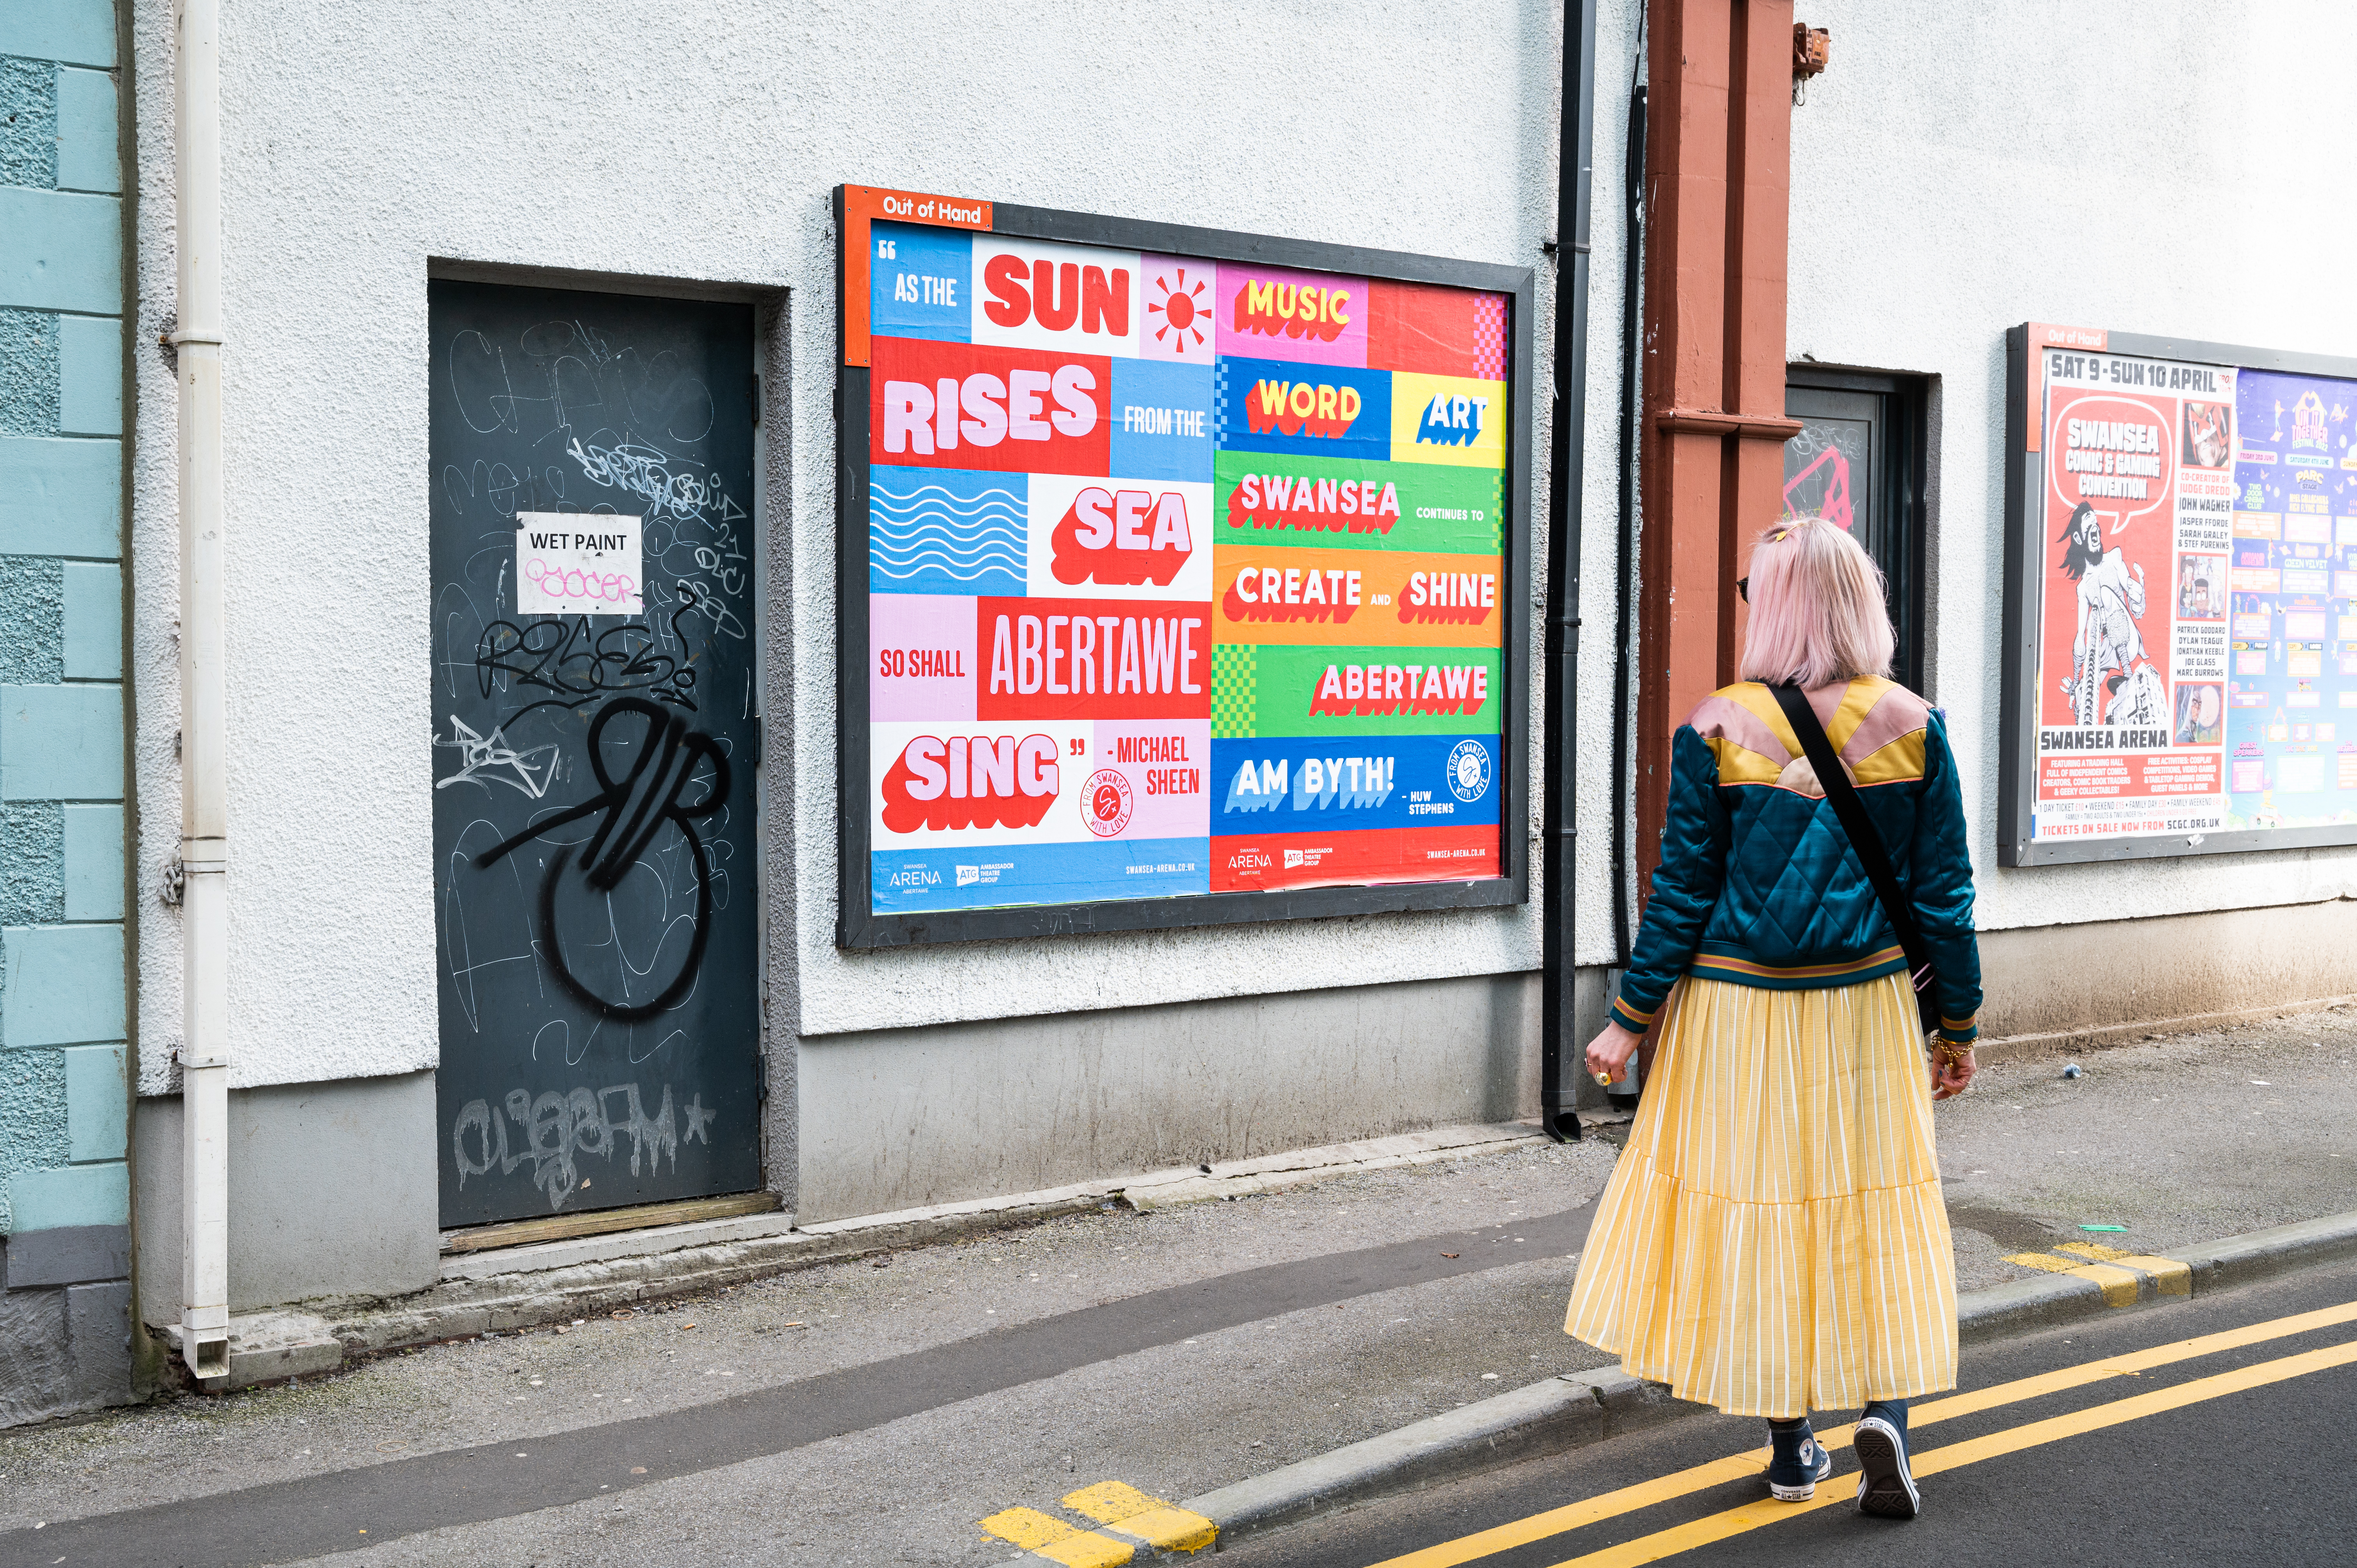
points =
(1859, 457)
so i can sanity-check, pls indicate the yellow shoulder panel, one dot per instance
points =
(1895, 763)
(1740, 765)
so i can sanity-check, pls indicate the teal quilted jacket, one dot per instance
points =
(1757, 884)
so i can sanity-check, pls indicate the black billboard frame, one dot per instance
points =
(2024, 589)
(857, 925)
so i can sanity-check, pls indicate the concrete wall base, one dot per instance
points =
(899, 1119)
(2113, 982)
(331, 1193)
(66, 1349)
(516, 1287)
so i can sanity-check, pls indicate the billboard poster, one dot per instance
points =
(2185, 562)
(1184, 575)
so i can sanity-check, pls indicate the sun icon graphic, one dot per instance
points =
(1181, 309)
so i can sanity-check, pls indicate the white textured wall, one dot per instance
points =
(700, 140)
(2158, 168)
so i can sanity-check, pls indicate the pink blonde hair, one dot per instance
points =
(1817, 610)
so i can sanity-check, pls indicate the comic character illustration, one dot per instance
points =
(2205, 434)
(2198, 710)
(2200, 582)
(2107, 651)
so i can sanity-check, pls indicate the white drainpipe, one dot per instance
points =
(204, 708)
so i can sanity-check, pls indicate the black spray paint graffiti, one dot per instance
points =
(635, 807)
(562, 657)
(559, 1126)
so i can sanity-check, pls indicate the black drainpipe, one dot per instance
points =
(1558, 847)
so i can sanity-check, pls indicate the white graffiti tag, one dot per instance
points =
(559, 1128)
(535, 769)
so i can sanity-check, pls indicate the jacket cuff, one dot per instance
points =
(1629, 1018)
(1960, 1031)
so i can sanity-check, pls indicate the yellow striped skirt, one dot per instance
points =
(1773, 1240)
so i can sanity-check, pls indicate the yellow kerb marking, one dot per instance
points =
(2046, 1260)
(1752, 1516)
(2170, 1276)
(1110, 1502)
(1160, 1525)
(1058, 1542)
(1027, 1528)
(2119, 1285)
(1090, 1551)
(1738, 1466)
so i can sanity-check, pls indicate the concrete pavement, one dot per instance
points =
(2179, 1140)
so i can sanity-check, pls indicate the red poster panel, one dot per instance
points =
(1092, 659)
(1436, 331)
(957, 405)
(1374, 854)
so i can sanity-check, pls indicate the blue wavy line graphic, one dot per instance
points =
(934, 515)
(956, 501)
(947, 546)
(929, 571)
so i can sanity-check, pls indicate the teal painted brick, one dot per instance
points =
(32, 1116)
(32, 620)
(88, 155)
(90, 375)
(32, 864)
(28, 372)
(92, 621)
(61, 496)
(98, 1110)
(92, 863)
(80, 32)
(75, 1195)
(64, 250)
(63, 985)
(28, 122)
(60, 742)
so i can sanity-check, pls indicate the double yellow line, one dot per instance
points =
(1752, 1515)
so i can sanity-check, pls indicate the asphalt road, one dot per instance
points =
(2233, 1452)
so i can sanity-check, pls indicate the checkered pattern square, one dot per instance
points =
(1490, 337)
(1235, 691)
(1219, 394)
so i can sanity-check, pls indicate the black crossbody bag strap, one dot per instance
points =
(1834, 779)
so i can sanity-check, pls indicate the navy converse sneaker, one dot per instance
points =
(1799, 1462)
(1885, 1487)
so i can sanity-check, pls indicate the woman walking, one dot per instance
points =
(1773, 1239)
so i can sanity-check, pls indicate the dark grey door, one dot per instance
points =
(1857, 461)
(594, 746)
